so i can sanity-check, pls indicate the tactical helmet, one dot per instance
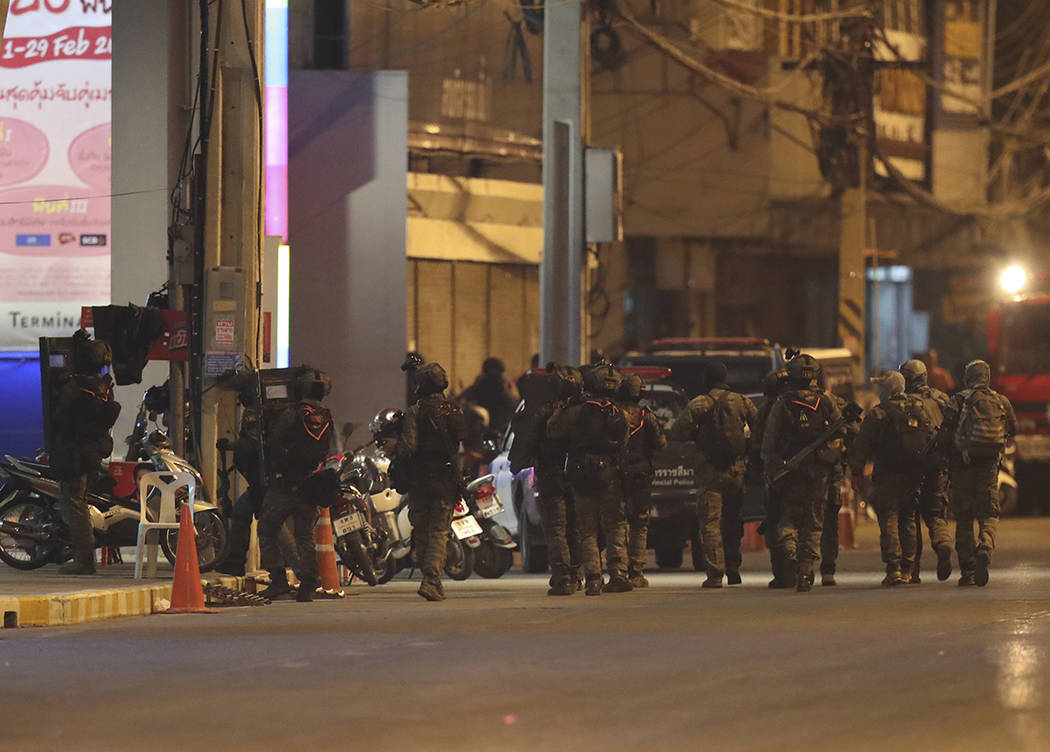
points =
(413, 360)
(430, 378)
(891, 384)
(90, 356)
(775, 381)
(312, 384)
(914, 373)
(715, 373)
(631, 387)
(803, 370)
(603, 380)
(386, 424)
(571, 382)
(978, 374)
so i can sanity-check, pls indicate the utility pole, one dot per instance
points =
(222, 294)
(565, 73)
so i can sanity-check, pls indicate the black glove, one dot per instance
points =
(223, 444)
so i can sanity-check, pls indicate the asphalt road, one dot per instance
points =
(500, 666)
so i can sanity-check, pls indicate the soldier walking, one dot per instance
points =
(801, 430)
(719, 422)
(431, 432)
(932, 505)
(645, 437)
(978, 423)
(596, 432)
(897, 434)
(776, 382)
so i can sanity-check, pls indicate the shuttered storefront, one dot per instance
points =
(461, 312)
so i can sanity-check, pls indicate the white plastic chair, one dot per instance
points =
(168, 483)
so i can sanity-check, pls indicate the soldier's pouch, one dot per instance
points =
(591, 473)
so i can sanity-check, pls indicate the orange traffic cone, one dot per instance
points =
(187, 593)
(846, 528)
(753, 540)
(326, 564)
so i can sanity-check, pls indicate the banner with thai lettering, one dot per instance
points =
(55, 92)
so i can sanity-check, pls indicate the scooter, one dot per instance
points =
(493, 557)
(33, 534)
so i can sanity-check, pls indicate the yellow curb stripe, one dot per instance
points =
(61, 609)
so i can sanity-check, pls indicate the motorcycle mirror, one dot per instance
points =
(348, 429)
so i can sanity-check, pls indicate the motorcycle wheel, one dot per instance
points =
(459, 560)
(213, 542)
(26, 510)
(355, 557)
(491, 561)
(387, 567)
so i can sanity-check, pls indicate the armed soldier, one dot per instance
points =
(719, 422)
(897, 434)
(544, 393)
(301, 438)
(431, 432)
(645, 438)
(84, 413)
(829, 536)
(932, 503)
(596, 432)
(801, 442)
(775, 383)
(978, 423)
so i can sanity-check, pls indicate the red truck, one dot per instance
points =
(1019, 348)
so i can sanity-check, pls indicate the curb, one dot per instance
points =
(66, 609)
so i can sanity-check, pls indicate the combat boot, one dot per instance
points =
(594, 586)
(980, 576)
(966, 579)
(278, 586)
(944, 563)
(827, 579)
(733, 578)
(306, 592)
(431, 590)
(638, 580)
(805, 578)
(562, 587)
(893, 576)
(619, 584)
(788, 576)
(81, 565)
(714, 579)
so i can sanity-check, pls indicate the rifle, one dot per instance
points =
(849, 415)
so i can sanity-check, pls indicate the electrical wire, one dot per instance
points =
(261, 186)
(796, 17)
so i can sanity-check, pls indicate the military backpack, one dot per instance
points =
(981, 429)
(722, 436)
(914, 428)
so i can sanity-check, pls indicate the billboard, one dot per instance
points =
(55, 92)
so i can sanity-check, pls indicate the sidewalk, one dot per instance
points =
(43, 598)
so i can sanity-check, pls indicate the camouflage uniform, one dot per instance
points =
(597, 494)
(775, 384)
(829, 536)
(932, 505)
(973, 483)
(557, 512)
(894, 483)
(646, 437)
(803, 492)
(719, 506)
(431, 432)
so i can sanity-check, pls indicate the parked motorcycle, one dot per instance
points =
(32, 533)
(494, 555)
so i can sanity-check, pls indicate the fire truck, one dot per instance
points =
(1019, 348)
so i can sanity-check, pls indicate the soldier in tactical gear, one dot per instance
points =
(645, 437)
(932, 503)
(300, 439)
(800, 418)
(595, 430)
(84, 413)
(561, 388)
(886, 436)
(431, 432)
(978, 423)
(775, 384)
(720, 423)
(829, 536)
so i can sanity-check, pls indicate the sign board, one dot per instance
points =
(55, 116)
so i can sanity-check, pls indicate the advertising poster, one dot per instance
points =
(55, 92)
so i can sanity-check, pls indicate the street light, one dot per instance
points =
(1013, 279)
